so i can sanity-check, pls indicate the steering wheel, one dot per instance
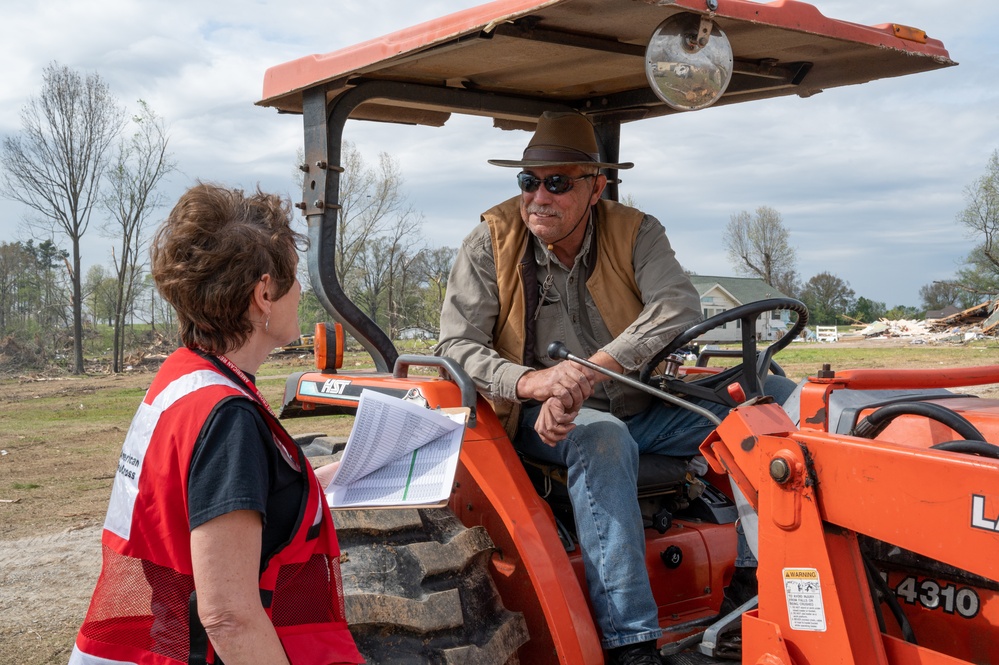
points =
(753, 369)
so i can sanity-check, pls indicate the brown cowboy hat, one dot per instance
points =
(562, 138)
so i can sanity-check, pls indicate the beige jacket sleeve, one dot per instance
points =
(468, 318)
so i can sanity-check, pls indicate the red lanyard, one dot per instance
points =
(246, 380)
(255, 393)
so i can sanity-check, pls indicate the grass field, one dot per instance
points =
(801, 360)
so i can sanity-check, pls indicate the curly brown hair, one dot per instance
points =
(210, 252)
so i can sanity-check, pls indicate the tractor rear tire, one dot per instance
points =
(418, 590)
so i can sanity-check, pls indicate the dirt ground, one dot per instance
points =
(46, 585)
(54, 491)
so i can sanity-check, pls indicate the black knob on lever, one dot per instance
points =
(558, 351)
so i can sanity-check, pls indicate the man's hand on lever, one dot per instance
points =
(569, 383)
(562, 388)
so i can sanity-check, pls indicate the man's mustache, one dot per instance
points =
(543, 210)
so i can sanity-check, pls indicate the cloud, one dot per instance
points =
(868, 178)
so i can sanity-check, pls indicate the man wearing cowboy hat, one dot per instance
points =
(560, 263)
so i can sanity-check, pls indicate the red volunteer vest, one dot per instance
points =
(142, 608)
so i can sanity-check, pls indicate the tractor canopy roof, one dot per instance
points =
(590, 55)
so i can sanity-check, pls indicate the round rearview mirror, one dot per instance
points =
(688, 62)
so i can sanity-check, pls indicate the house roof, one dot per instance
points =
(743, 289)
(949, 310)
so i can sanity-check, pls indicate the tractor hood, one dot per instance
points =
(589, 55)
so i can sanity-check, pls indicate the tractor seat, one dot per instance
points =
(666, 486)
(657, 474)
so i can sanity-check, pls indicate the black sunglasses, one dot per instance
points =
(556, 184)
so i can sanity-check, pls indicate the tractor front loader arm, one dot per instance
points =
(530, 567)
(816, 495)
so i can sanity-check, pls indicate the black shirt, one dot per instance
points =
(236, 465)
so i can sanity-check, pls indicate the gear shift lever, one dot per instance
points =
(559, 351)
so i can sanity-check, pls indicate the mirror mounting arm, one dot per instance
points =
(694, 43)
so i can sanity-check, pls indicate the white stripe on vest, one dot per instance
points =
(80, 658)
(126, 481)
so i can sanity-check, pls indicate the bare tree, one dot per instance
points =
(940, 295)
(370, 200)
(371, 276)
(160, 311)
(55, 165)
(402, 252)
(376, 228)
(407, 292)
(139, 165)
(760, 247)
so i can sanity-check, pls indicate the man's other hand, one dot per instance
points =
(554, 423)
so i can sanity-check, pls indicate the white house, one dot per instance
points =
(719, 294)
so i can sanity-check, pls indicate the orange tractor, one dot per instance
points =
(872, 496)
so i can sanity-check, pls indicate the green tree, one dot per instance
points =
(34, 294)
(899, 312)
(34, 299)
(977, 278)
(14, 261)
(49, 276)
(100, 290)
(868, 311)
(310, 311)
(436, 268)
(827, 296)
(55, 165)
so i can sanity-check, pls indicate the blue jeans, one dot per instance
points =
(601, 454)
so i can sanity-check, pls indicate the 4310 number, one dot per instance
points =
(932, 595)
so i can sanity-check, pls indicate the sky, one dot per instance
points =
(868, 179)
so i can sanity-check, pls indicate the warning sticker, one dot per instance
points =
(804, 599)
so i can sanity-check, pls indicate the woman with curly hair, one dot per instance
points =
(218, 544)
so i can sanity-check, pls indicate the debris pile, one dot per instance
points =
(896, 328)
(973, 323)
(984, 316)
(17, 355)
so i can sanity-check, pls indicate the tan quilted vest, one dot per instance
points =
(611, 284)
